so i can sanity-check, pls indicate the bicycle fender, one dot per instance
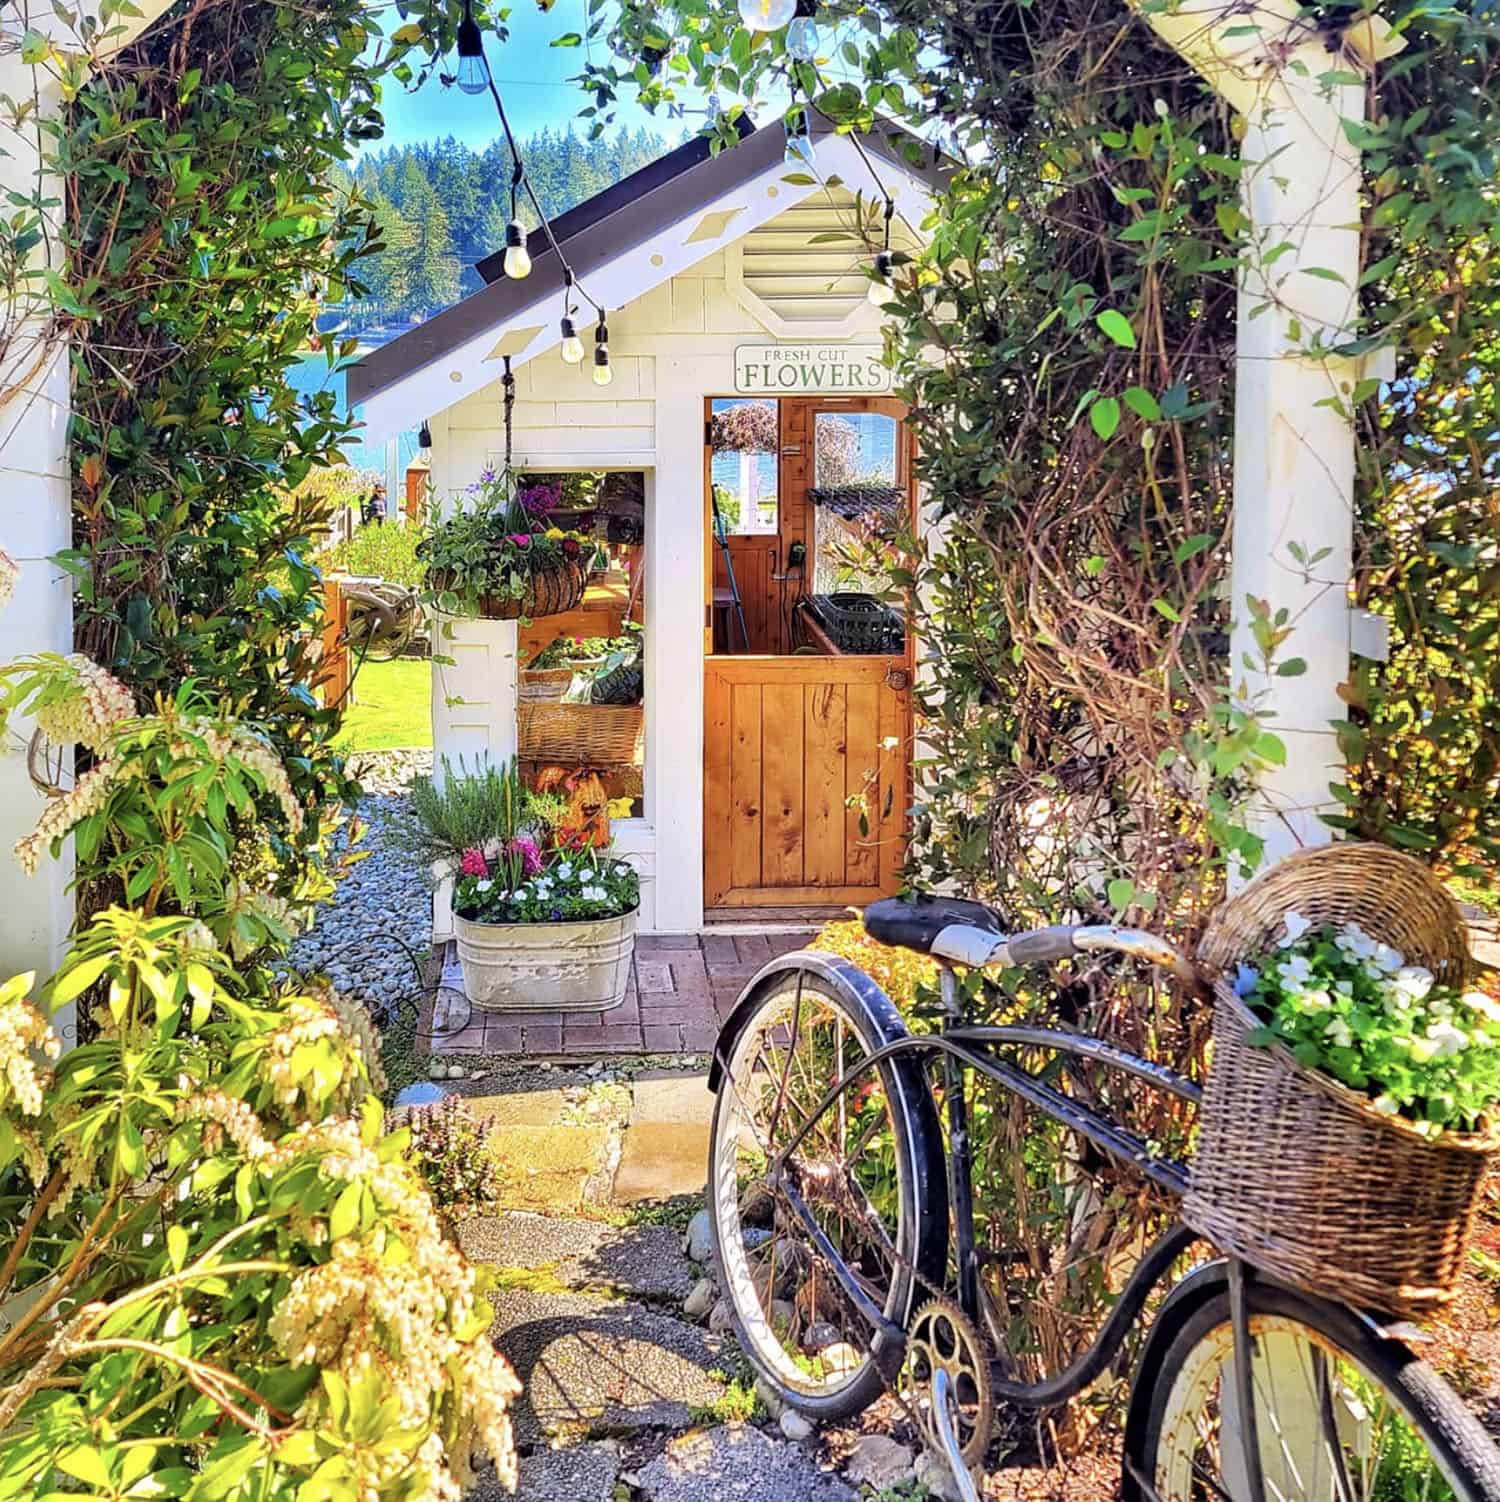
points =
(853, 981)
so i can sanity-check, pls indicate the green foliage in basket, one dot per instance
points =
(561, 887)
(1352, 1007)
(562, 650)
(490, 545)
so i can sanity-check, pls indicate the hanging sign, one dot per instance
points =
(810, 369)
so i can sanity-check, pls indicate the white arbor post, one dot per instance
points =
(1293, 447)
(37, 911)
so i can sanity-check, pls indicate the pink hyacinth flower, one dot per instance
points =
(531, 857)
(473, 863)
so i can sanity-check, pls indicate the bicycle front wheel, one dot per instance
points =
(1341, 1414)
(869, 1171)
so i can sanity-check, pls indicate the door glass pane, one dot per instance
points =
(743, 437)
(855, 448)
(852, 449)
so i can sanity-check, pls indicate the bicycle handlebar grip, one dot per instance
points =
(1042, 946)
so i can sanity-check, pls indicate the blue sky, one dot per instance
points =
(533, 80)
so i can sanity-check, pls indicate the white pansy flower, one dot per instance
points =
(565, 870)
(1355, 942)
(1296, 926)
(483, 885)
(1295, 971)
(1338, 1033)
(1388, 959)
(1385, 1105)
(1316, 1001)
(1448, 1040)
(1414, 981)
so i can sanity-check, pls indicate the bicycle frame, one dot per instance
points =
(963, 1048)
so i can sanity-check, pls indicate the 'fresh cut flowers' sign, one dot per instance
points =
(808, 369)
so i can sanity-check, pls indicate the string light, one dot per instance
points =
(802, 35)
(571, 346)
(473, 70)
(767, 15)
(516, 262)
(799, 147)
(603, 372)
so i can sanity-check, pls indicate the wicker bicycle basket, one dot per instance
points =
(580, 735)
(1298, 1174)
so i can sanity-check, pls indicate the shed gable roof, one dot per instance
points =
(687, 187)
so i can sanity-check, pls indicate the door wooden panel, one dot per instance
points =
(789, 742)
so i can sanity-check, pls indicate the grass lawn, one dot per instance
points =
(391, 706)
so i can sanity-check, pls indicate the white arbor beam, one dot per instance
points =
(1294, 449)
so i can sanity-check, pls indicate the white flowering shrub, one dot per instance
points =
(1352, 1007)
(220, 1279)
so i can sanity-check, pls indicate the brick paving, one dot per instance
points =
(681, 989)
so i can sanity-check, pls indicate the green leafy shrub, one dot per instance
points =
(904, 976)
(386, 550)
(450, 1147)
(222, 1275)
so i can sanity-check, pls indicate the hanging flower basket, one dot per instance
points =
(552, 590)
(1297, 1173)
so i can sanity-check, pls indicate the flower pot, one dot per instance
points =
(546, 967)
(554, 590)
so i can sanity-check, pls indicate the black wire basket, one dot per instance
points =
(859, 623)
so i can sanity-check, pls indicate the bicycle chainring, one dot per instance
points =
(941, 1336)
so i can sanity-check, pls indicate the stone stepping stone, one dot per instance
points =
(594, 1366)
(644, 1261)
(556, 1168)
(736, 1463)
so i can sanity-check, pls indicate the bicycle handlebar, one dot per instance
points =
(981, 949)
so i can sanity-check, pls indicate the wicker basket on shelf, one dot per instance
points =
(544, 685)
(580, 735)
(1298, 1174)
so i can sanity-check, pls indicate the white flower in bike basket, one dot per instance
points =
(1245, 979)
(1448, 1040)
(1486, 1006)
(1385, 1105)
(1388, 959)
(1413, 981)
(1296, 926)
(1295, 971)
(1337, 1032)
(1355, 942)
(1316, 1001)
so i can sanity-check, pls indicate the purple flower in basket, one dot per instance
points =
(487, 477)
(531, 857)
(540, 501)
(474, 863)
(521, 539)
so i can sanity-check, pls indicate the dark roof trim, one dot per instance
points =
(607, 226)
(584, 216)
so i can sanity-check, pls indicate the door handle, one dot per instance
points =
(898, 679)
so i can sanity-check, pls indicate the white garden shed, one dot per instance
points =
(765, 743)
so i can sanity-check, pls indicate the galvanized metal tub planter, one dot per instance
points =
(546, 967)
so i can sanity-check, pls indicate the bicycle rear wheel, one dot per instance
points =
(1342, 1415)
(870, 1170)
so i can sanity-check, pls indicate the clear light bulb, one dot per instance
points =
(802, 39)
(882, 289)
(767, 15)
(603, 371)
(516, 263)
(473, 71)
(571, 347)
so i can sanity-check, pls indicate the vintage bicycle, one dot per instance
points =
(855, 1258)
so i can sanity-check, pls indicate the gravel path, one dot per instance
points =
(380, 907)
